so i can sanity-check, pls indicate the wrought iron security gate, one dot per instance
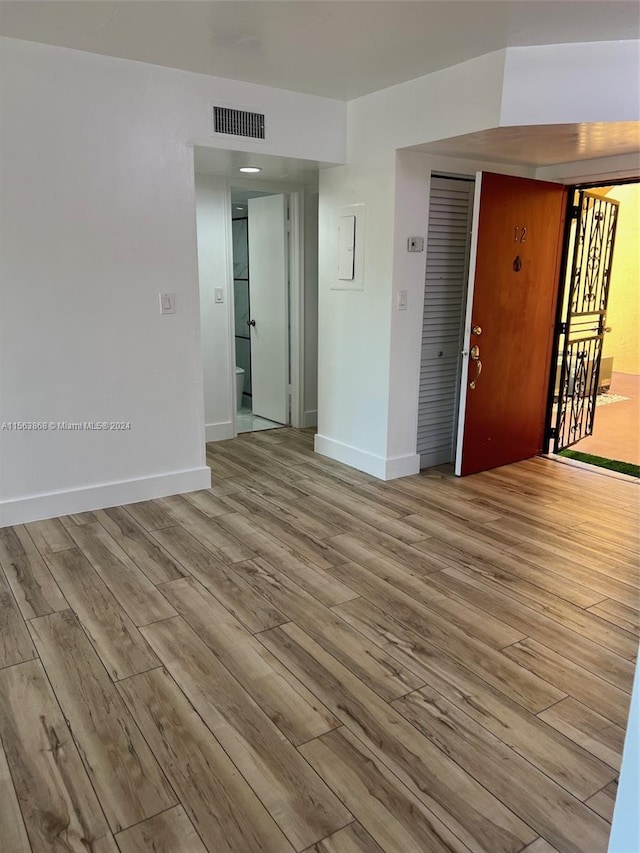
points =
(582, 315)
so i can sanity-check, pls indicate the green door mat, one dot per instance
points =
(601, 462)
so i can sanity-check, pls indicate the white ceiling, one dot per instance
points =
(337, 48)
(542, 145)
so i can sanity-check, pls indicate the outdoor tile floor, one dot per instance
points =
(616, 434)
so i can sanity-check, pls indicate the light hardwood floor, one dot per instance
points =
(303, 658)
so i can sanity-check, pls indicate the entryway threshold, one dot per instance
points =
(594, 469)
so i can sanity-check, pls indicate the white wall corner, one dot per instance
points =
(54, 504)
(377, 466)
(413, 113)
(219, 432)
(402, 466)
(352, 456)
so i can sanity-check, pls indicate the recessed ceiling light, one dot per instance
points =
(251, 170)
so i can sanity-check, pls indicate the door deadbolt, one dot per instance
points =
(476, 330)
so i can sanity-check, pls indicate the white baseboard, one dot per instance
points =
(219, 432)
(377, 466)
(402, 466)
(360, 459)
(53, 504)
(310, 418)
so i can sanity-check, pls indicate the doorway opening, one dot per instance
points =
(295, 184)
(594, 396)
(262, 296)
(574, 367)
(500, 290)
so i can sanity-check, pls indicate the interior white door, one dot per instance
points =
(269, 307)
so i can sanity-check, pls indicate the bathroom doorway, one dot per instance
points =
(261, 263)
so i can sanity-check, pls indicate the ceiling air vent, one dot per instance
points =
(238, 122)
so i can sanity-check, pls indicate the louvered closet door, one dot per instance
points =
(448, 242)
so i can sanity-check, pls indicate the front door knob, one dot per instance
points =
(475, 356)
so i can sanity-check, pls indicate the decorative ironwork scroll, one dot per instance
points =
(582, 316)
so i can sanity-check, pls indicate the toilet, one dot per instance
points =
(239, 386)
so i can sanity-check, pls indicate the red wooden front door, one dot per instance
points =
(510, 322)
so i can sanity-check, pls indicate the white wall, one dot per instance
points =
(355, 326)
(369, 352)
(213, 212)
(571, 83)
(353, 349)
(97, 218)
(457, 100)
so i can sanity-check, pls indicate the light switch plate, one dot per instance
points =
(167, 303)
(218, 295)
(402, 300)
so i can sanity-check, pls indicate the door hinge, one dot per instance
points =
(575, 211)
(561, 329)
(552, 432)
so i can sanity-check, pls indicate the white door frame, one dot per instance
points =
(295, 193)
(466, 329)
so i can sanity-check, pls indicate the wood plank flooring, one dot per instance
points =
(303, 658)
